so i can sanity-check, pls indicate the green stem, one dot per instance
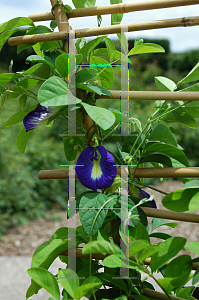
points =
(150, 187)
(68, 119)
(162, 288)
(140, 134)
(111, 131)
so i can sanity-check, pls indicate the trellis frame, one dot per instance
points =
(63, 26)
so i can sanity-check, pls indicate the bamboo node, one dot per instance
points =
(184, 22)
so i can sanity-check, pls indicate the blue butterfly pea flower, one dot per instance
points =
(137, 192)
(37, 117)
(96, 168)
(144, 194)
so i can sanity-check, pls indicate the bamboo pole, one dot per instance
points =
(189, 172)
(171, 215)
(100, 256)
(116, 8)
(159, 295)
(154, 95)
(61, 19)
(95, 31)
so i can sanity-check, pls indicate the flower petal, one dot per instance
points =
(37, 117)
(96, 170)
(144, 194)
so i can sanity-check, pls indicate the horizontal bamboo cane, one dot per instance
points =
(100, 256)
(154, 95)
(189, 172)
(95, 31)
(171, 215)
(116, 8)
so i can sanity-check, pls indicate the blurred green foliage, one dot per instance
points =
(22, 195)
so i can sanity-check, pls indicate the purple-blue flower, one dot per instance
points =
(37, 117)
(144, 194)
(96, 168)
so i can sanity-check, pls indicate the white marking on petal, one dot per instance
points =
(96, 170)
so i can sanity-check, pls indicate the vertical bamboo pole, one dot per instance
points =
(61, 19)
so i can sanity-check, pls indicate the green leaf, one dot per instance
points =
(110, 48)
(141, 233)
(119, 117)
(169, 249)
(165, 84)
(8, 77)
(193, 247)
(46, 280)
(123, 41)
(88, 47)
(192, 109)
(16, 118)
(180, 115)
(90, 212)
(85, 75)
(69, 143)
(40, 59)
(104, 53)
(61, 233)
(148, 252)
(105, 71)
(39, 70)
(170, 284)
(83, 3)
(46, 253)
(170, 151)
(116, 18)
(89, 87)
(180, 266)
(157, 222)
(137, 246)
(101, 246)
(88, 284)
(114, 261)
(192, 88)
(22, 139)
(194, 203)
(103, 117)
(185, 292)
(193, 75)
(33, 289)
(196, 277)
(108, 278)
(3, 97)
(54, 92)
(162, 133)
(5, 36)
(146, 48)
(67, 279)
(179, 200)
(62, 63)
(13, 23)
(22, 86)
(192, 183)
(160, 235)
(159, 158)
(67, 8)
(22, 102)
(53, 24)
(16, 22)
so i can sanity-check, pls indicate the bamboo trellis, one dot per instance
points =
(62, 22)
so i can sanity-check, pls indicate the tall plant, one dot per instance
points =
(107, 216)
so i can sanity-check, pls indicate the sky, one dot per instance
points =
(181, 38)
